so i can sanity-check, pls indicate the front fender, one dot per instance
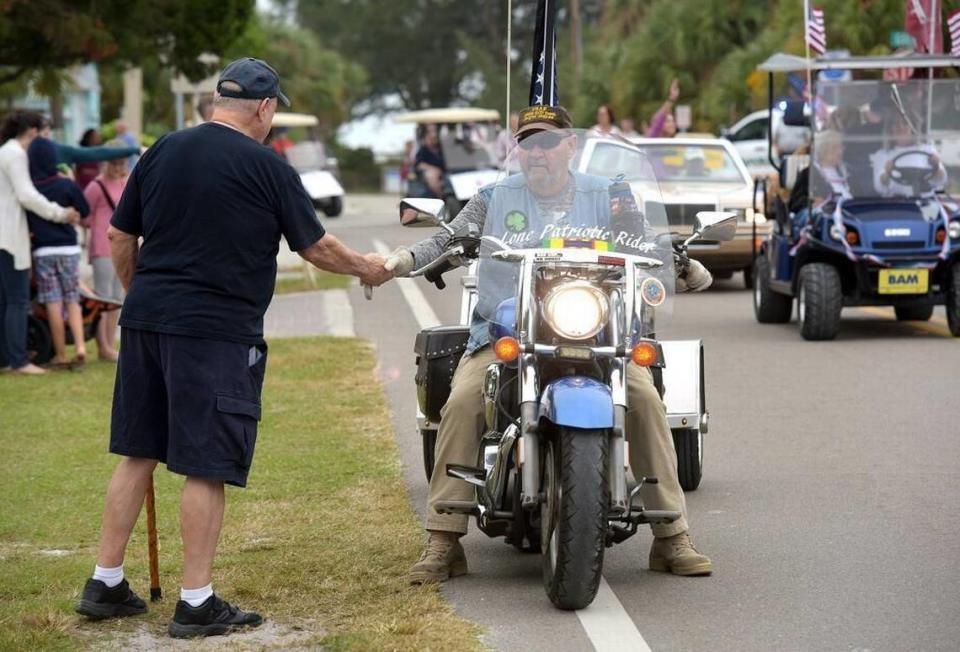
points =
(577, 402)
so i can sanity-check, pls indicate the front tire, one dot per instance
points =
(819, 301)
(913, 313)
(768, 306)
(689, 446)
(429, 438)
(333, 207)
(574, 516)
(953, 301)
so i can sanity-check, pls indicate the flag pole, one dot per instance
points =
(931, 46)
(506, 114)
(806, 44)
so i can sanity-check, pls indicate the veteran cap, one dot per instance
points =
(543, 118)
(255, 78)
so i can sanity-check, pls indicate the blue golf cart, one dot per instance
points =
(871, 219)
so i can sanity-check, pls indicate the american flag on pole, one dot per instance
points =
(953, 24)
(543, 76)
(816, 31)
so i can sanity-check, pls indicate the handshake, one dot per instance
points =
(380, 269)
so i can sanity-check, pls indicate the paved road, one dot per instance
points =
(830, 497)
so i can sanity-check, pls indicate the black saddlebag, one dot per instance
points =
(438, 350)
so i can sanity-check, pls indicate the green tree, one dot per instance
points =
(316, 79)
(53, 34)
(713, 47)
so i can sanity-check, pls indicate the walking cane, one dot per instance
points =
(155, 593)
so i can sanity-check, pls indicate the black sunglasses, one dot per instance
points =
(542, 139)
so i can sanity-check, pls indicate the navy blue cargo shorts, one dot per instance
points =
(191, 403)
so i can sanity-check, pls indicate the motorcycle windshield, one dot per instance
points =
(579, 209)
(879, 139)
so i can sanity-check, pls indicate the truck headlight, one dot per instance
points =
(954, 230)
(576, 310)
(836, 232)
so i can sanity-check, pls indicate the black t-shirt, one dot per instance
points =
(431, 157)
(211, 205)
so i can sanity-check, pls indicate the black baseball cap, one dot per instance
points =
(543, 118)
(255, 78)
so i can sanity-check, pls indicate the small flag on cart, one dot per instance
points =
(816, 31)
(953, 23)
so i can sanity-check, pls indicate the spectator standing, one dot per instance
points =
(103, 195)
(87, 170)
(17, 192)
(663, 124)
(71, 155)
(606, 122)
(205, 108)
(56, 253)
(211, 204)
(506, 141)
(627, 128)
(129, 139)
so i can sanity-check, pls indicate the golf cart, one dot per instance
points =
(318, 172)
(467, 138)
(874, 223)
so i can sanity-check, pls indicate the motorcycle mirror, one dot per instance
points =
(422, 211)
(715, 225)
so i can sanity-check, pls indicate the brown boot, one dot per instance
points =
(442, 559)
(677, 555)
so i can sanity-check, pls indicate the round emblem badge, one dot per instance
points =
(653, 291)
(515, 222)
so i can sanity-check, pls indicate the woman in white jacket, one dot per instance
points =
(18, 193)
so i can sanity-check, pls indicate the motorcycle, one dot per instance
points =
(569, 299)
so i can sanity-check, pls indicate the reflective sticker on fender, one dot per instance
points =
(653, 291)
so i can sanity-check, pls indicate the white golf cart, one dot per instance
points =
(467, 138)
(318, 172)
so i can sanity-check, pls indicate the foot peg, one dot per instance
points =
(476, 477)
(658, 516)
(456, 507)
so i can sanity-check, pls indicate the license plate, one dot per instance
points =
(904, 281)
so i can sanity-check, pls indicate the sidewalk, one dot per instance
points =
(304, 314)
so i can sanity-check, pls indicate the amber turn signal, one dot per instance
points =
(644, 354)
(853, 238)
(941, 235)
(507, 349)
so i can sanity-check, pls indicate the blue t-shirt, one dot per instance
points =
(211, 205)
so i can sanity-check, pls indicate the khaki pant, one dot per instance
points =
(462, 425)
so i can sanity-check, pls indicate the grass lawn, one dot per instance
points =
(319, 542)
(321, 281)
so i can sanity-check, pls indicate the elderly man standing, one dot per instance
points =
(211, 204)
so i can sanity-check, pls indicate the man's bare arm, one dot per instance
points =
(331, 255)
(123, 249)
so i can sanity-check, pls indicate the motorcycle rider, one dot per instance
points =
(545, 165)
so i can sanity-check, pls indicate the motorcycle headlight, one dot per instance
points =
(576, 310)
(954, 230)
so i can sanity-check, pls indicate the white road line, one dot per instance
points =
(338, 313)
(418, 303)
(607, 624)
